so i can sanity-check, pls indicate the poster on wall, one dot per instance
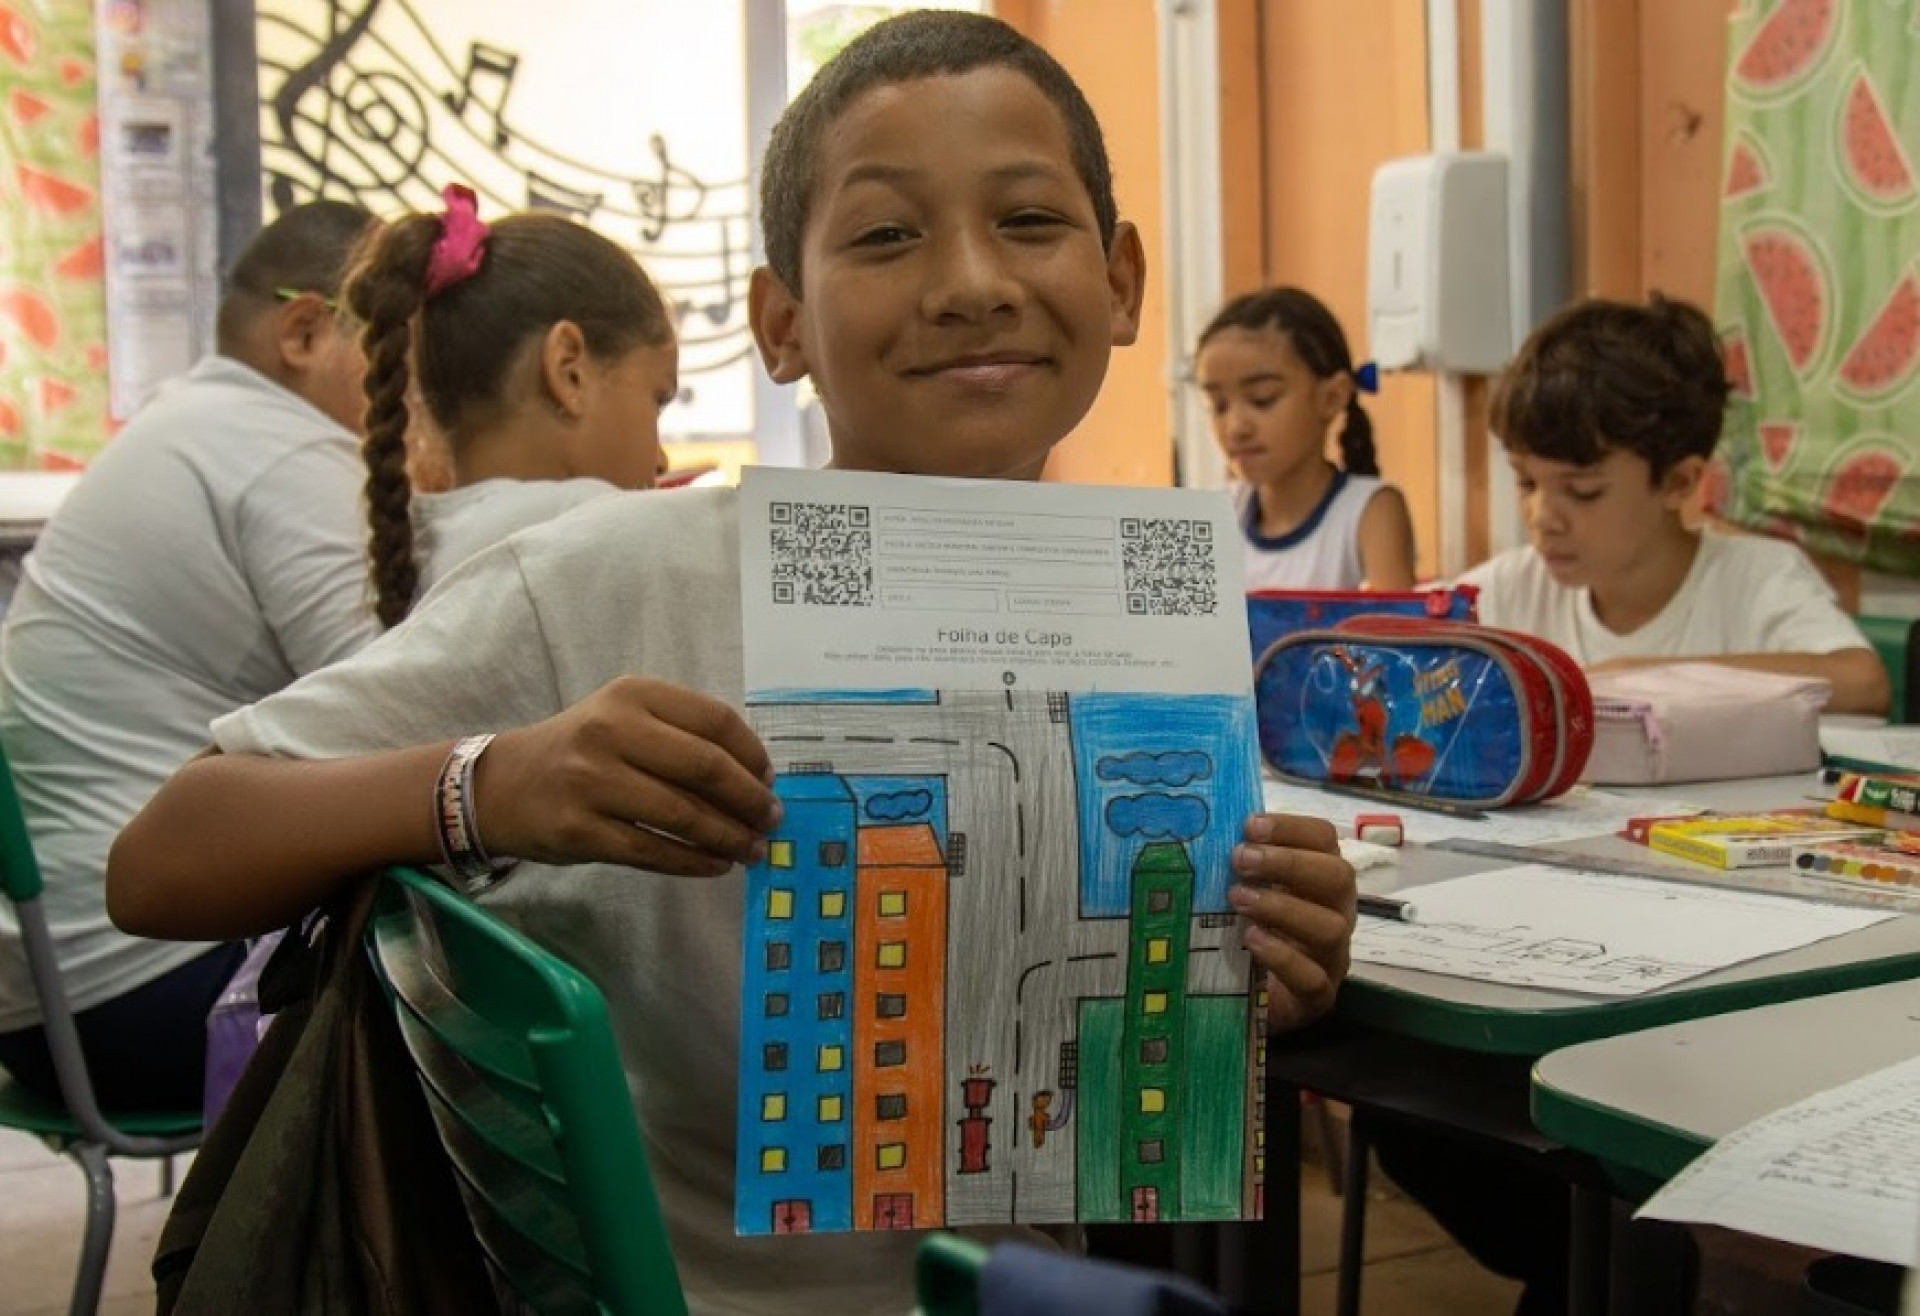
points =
(383, 102)
(160, 253)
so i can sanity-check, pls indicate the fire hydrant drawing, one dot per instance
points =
(976, 1090)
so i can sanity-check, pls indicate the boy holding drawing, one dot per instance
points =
(947, 265)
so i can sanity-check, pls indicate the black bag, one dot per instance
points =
(323, 1189)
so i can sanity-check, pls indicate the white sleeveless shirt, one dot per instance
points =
(1323, 552)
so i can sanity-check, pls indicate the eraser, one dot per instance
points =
(1379, 828)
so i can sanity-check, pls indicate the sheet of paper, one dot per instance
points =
(1535, 926)
(1894, 746)
(990, 972)
(1839, 1171)
(1581, 812)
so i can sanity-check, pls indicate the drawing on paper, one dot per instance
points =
(990, 970)
(1516, 953)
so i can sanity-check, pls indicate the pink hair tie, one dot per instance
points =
(462, 243)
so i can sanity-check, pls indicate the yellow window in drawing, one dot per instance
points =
(1154, 1003)
(773, 1160)
(830, 1059)
(892, 1155)
(893, 904)
(833, 904)
(893, 955)
(1158, 949)
(780, 854)
(779, 903)
(773, 1107)
(1152, 1100)
(830, 1110)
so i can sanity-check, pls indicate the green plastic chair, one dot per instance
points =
(1893, 639)
(946, 1275)
(76, 1125)
(519, 1065)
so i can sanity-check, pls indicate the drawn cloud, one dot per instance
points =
(900, 805)
(1157, 816)
(1179, 768)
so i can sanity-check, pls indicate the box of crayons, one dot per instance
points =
(1750, 840)
(1886, 865)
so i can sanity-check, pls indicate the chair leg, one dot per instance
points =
(166, 1177)
(87, 1281)
(1353, 1218)
(1332, 1148)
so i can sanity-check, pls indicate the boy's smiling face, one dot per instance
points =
(1592, 525)
(957, 309)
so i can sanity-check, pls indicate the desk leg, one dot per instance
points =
(1588, 1250)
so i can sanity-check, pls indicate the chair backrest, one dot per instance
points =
(19, 870)
(519, 1064)
(1892, 639)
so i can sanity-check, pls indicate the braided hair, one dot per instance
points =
(1321, 346)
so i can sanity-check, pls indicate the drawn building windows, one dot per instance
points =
(833, 854)
(890, 1156)
(830, 1108)
(890, 1005)
(1159, 949)
(889, 1055)
(1153, 1101)
(831, 1059)
(779, 903)
(773, 1057)
(833, 904)
(832, 1156)
(776, 1005)
(1146, 1205)
(832, 1005)
(1154, 1003)
(892, 955)
(773, 1160)
(893, 904)
(1151, 1152)
(779, 955)
(1153, 1051)
(892, 1106)
(773, 1107)
(833, 957)
(1159, 900)
(780, 854)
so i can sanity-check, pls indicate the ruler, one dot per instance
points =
(1766, 881)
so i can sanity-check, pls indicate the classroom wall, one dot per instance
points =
(1111, 49)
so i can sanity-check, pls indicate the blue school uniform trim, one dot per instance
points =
(1250, 518)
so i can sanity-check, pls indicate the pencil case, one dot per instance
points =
(1273, 614)
(1450, 711)
(1703, 722)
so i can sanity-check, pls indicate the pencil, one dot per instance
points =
(1400, 911)
(1424, 803)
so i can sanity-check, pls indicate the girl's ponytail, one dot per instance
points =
(1357, 455)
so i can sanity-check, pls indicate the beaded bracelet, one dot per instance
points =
(453, 812)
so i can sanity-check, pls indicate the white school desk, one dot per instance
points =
(1650, 1102)
(1424, 1044)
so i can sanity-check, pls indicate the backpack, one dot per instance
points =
(323, 1189)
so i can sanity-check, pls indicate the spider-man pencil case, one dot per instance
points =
(1448, 710)
(1273, 614)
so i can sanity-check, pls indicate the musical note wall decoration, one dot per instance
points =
(384, 101)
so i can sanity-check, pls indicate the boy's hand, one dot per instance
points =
(640, 773)
(1297, 895)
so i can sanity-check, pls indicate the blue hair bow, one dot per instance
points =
(1366, 377)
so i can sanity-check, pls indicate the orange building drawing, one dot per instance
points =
(900, 983)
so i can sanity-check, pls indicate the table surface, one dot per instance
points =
(1496, 1018)
(1654, 1100)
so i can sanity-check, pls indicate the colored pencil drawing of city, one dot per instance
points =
(990, 971)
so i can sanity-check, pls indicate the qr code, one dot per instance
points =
(1167, 567)
(822, 553)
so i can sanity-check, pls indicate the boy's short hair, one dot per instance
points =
(307, 249)
(1601, 375)
(918, 44)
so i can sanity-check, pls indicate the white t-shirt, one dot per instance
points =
(451, 527)
(640, 583)
(1323, 552)
(1743, 594)
(208, 557)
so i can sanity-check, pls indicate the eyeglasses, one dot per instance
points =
(294, 294)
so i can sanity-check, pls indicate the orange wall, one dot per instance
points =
(1110, 47)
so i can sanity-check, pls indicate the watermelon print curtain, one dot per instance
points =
(1818, 281)
(53, 393)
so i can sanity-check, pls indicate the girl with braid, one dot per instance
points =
(542, 354)
(1277, 373)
